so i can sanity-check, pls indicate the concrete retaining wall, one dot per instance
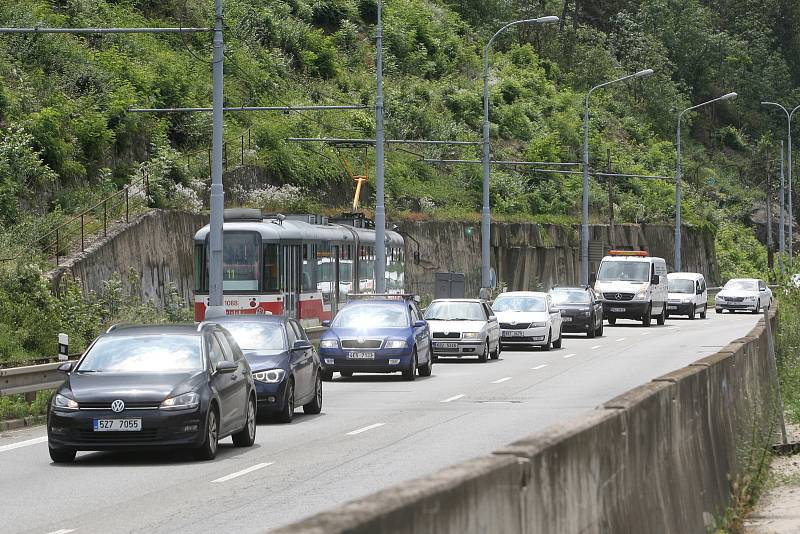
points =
(662, 457)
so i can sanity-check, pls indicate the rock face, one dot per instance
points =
(158, 245)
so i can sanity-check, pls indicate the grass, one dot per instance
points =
(16, 407)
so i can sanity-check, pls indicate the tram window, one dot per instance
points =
(271, 268)
(326, 274)
(199, 272)
(308, 270)
(240, 261)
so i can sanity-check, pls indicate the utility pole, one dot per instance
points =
(770, 244)
(781, 222)
(217, 201)
(380, 209)
(610, 197)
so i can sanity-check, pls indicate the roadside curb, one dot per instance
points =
(14, 424)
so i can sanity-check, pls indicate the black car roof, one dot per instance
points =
(184, 329)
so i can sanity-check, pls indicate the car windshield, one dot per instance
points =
(520, 304)
(633, 271)
(742, 285)
(372, 315)
(571, 296)
(156, 353)
(253, 335)
(455, 311)
(681, 285)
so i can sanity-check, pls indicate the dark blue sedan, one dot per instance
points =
(379, 335)
(285, 365)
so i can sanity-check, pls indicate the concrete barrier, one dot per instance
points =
(663, 457)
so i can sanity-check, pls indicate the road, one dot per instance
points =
(375, 431)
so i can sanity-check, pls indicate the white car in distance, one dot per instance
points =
(463, 327)
(746, 294)
(528, 318)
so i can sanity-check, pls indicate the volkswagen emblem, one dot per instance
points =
(513, 323)
(361, 340)
(618, 296)
(117, 406)
(447, 332)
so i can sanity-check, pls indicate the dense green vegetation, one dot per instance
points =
(66, 138)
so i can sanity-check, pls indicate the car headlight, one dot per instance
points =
(587, 313)
(749, 299)
(396, 344)
(538, 325)
(641, 294)
(184, 401)
(470, 335)
(329, 344)
(61, 402)
(271, 376)
(718, 298)
(687, 299)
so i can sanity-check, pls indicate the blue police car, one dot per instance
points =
(381, 334)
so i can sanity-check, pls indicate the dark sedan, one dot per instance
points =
(581, 312)
(285, 365)
(154, 386)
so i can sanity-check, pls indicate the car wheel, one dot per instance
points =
(208, 450)
(427, 369)
(692, 313)
(600, 330)
(411, 373)
(496, 354)
(287, 413)
(557, 344)
(612, 320)
(718, 310)
(704, 312)
(662, 317)
(62, 456)
(315, 406)
(327, 376)
(484, 353)
(593, 329)
(247, 435)
(647, 320)
(547, 343)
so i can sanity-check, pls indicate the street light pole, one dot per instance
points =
(485, 215)
(782, 222)
(585, 207)
(380, 209)
(789, 116)
(217, 201)
(678, 173)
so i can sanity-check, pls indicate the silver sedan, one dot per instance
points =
(463, 327)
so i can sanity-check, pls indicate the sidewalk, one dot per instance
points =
(778, 510)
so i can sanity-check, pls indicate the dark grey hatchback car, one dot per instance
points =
(138, 387)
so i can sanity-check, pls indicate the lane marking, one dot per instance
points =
(63, 531)
(622, 339)
(596, 347)
(501, 380)
(21, 444)
(360, 430)
(539, 367)
(645, 333)
(454, 397)
(243, 472)
(568, 356)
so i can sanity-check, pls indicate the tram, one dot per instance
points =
(303, 266)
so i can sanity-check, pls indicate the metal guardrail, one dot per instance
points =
(32, 378)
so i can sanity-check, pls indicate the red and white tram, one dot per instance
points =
(300, 265)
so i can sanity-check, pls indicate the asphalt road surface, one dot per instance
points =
(375, 431)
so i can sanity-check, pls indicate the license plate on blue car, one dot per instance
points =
(360, 355)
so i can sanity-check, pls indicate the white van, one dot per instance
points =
(632, 285)
(688, 295)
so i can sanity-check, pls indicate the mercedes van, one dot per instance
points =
(632, 285)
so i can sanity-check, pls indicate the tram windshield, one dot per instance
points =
(240, 255)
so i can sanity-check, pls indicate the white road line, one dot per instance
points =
(20, 444)
(568, 356)
(243, 472)
(501, 380)
(454, 397)
(596, 347)
(360, 430)
(645, 333)
(622, 339)
(62, 531)
(539, 367)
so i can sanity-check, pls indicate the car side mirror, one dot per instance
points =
(592, 279)
(226, 366)
(655, 280)
(301, 344)
(700, 291)
(492, 318)
(65, 367)
(326, 323)
(420, 324)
